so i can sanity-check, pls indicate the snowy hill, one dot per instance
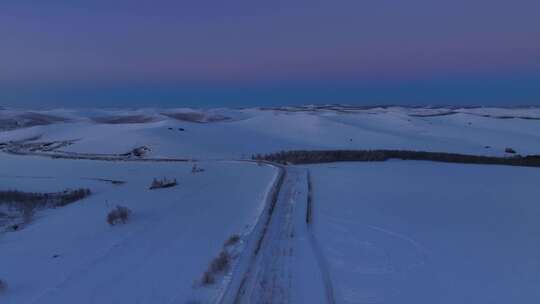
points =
(219, 133)
(231, 230)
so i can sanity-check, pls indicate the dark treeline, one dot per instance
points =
(56, 199)
(313, 157)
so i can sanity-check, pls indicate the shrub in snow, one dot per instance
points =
(14, 227)
(118, 215)
(28, 211)
(163, 183)
(221, 263)
(208, 278)
(3, 286)
(54, 199)
(27, 203)
(218, 265)
(510, 150)
(139, 152)
(196, 169)
(70, 196)
(155, 184)
(233, 239)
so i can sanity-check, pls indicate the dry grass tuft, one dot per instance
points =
(220, 263)
(3, 286)
(208, 278)
(232, 240)
(118, 215)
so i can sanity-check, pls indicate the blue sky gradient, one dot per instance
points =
(250, 53)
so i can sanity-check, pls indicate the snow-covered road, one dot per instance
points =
(283, 266)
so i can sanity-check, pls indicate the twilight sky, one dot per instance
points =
(251, 52)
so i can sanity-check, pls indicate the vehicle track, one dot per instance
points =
(271, 273)
(321, 260)
(269, 277)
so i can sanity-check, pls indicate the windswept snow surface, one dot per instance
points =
(71, 255)
(422, 232)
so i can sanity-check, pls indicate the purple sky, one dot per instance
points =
(366, 50)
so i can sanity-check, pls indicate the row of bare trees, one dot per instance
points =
(327, 156)
(55, 199)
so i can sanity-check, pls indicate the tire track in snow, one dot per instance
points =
(321, 260)
(270, 274)
(269, 278)
(422, 251)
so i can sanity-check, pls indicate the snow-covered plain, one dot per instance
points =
(394, 232)
(423, 232)
(155, 258)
